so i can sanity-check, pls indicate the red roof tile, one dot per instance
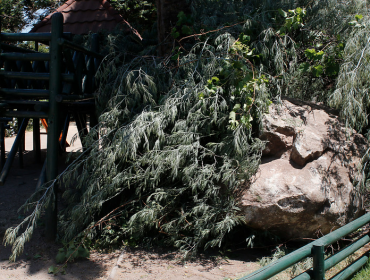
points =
(84, 16)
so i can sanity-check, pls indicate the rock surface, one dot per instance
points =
(305, 186)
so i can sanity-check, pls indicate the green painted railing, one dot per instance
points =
(316, 250)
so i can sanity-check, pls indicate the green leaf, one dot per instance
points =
(289, 22)
(215, 80)
(236, 107)
(283, 13)
(358, 17)
(232, 120)
(282, 31)
(181, 15)
(304, 67)
(297, 25)
(83, 252)
(232, 116)
(246, 120)
(186, 30)
(244, 38)
(245, 68)
(175, 57)
(61, 257)
(52, 269)
(317, 70)
(341, 46)
(319, 55)
(332, 68)
(174, 33)
(72, 253)
(37, 256)
(310, 53)
(237, 65)
(249, 101)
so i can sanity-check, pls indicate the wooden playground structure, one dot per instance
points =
(52, 86)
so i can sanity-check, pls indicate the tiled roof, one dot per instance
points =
(84, 16)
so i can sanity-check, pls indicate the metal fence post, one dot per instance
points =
(55, 87)
(318, 262)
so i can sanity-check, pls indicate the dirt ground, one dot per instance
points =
(128, 263)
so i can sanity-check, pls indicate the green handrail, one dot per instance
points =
(28, 93)
(338, 257)
(350, 270)
(26, 56)
(26, 36)
(306, 251)
(24, 114)
(73, 46)
(34, 76)
(12, 48)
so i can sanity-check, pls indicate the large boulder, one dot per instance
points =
(306, 183)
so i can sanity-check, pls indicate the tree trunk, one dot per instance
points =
(167, 11)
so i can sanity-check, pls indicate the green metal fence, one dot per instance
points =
(51, 86)
(316, 250)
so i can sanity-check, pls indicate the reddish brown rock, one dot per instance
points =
(306, 181)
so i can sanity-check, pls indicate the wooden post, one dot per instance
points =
(2, 125)
(55, 87)
(36, 129)
(36, 140)
(13, 151)
(2, 143)
(21, 146)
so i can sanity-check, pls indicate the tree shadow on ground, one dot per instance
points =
(38, 254)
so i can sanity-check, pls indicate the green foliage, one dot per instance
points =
(351, 92)
(13, 127)
(183, 26)
(179, 137)
(11, 15)
(15, 14)
(137, 12)
(166, 159)
(357, 22)
(241, 76)
(293, 20)
(72, 251)
(55, 270)
(176, 166)
(320, 63)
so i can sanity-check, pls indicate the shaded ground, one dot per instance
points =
(38, 254)
(129, 263)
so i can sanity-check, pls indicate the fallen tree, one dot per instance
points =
(179, 134)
